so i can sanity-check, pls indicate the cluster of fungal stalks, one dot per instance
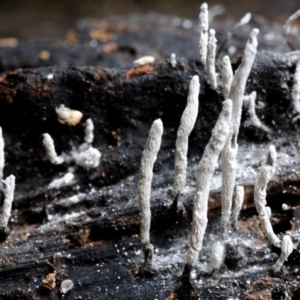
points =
(223, 141)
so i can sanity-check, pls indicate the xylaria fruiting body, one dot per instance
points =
(187, 124)
(205, 171)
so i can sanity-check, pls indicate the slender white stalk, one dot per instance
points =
(206, 169)
(230, 150)
(187, 124)
(296, 89)
(203, 31)
(146, 173)
(217, 255)
(286, 249)
(210, 59)
(227, 76)
(64, 181)
(173, 60)
(269, 211)
(266, 173)
(89, 131)
(238, 203)
(2, 157)
(287, 25)
(253, 120)
(8, 190)
(50, 150)
(243, 21)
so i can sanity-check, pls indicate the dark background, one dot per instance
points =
(48, 18)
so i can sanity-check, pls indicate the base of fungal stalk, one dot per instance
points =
(147, 268)
(177, 207)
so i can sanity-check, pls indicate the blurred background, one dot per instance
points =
(41, 18)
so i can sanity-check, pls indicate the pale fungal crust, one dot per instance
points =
(227, 76)
(238, 203)
(145, 60)
(61, 182)
(266, 173)
(8, 190)
(187, 124)
(205, 172)
(145, 178)
(230, 150)
(203, 31)
(210, 59)
(66, 286)
(287, 248)
(217, 255)
(87, 157)
(287, 25)
(173, 60)
(253, 120)
(2, 157)
(50, 150)
(68, 116)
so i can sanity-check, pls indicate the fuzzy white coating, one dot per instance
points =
(205, 172)
(50, 150)
(89, 131)
(87, 157)
(287, 248)
(217, 255)
(253, 120)
(238, 203)
(8, 190)
(227, 76)
(187, 124)
(229, 152)
(210, 59)
(203, 32)
(145, 178)
(266, 173)
(60, 182)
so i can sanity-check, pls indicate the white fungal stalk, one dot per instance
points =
(205, 171)
(210, 59)
(187, 124)
(217, 255)
(146, 173)
(50, 150)
(266, 173)
(243, 21)
(2, 157)
(203, 31)
(8, 190)
(253, 120)
(286, 249)
(287, 25)
(238, 203)
(173, 60)
(296, 89)
(89, 131)
(227, 76)
(64, 181)
(230, 150)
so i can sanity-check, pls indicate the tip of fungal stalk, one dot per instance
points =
(226, 59)
(195, 84)
(158, 126)
(254, 33)
(204, 6)
(212, 32)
